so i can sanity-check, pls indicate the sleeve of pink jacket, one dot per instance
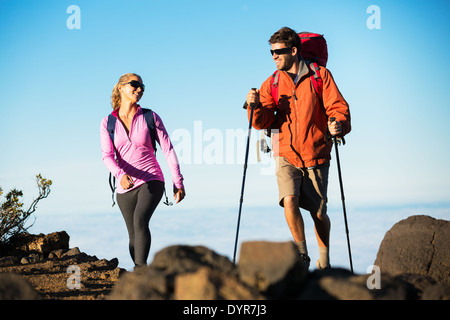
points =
(169, 152)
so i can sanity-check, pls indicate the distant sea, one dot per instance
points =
(105, 236)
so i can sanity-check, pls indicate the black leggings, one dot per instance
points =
(137, 207)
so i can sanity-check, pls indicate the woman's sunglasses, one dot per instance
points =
(136, 84)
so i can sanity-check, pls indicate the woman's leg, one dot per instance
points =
(148, 198)
(127, 203)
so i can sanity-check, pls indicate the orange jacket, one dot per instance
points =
(300, 117)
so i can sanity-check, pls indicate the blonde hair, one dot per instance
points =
(115, 97)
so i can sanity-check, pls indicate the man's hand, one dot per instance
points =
(335, 128)
(253, 97)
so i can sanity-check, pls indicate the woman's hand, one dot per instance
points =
(126, 182)
(178, 194)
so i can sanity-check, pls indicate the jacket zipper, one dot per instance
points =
(128, 132)
(296, 121)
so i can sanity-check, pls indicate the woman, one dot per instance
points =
(141, 181)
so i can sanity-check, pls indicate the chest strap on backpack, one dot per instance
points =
(274, 86)
(316, 79)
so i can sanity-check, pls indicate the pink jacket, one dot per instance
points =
(136, 156)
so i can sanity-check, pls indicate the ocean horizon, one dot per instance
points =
(105, 236)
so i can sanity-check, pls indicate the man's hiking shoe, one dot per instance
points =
(304, 261)
(319, 267)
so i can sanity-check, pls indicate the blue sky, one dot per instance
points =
(198, 60)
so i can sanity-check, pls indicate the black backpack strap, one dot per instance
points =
(111, 127)
(148, 115)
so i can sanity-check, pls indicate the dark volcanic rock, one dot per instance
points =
(182, 258)
(210, 284)
(417, 245)
(15, 287)
(46, 264)
(26, 243)
(341, 284)
(273, 268)
(157, 281)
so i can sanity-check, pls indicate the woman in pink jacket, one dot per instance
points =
(141, 181)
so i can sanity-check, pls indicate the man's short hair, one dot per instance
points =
(287, 36)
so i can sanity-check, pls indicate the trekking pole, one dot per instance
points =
(332, 119)
(252, 105)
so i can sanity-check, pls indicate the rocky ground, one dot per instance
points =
(46, 263)
(49, 278)
(413, 263)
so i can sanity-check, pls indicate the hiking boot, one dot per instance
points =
(304, 261)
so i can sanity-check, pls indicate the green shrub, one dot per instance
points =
(12, 216)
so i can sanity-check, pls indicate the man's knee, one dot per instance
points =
(291, 201)
(320, 214)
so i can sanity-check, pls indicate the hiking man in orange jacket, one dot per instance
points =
(302, 147)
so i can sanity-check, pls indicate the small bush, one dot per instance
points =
(12, 216)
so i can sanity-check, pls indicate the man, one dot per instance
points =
(302, 147)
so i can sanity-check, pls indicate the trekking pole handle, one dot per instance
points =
(332, 119)
(337, 138)
(252, 104)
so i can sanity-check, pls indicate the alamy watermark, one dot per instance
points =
(374, 20)
(213, 146)
(74, 280)
(374, 280)
(74, 20)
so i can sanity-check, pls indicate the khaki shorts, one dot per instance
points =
(310, 185)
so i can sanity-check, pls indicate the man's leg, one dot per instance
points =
(294, 218)
(289, 181)
(322, 225)
(295, 222)
(315, 189)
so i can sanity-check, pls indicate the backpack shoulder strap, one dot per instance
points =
(318, 86)
(274, 86)
(111, 126)
(316, 79)
(148, 115)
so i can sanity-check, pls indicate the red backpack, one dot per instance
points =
(315, 52)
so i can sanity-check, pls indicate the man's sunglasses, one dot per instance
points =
(136, 84)
(281, 51)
